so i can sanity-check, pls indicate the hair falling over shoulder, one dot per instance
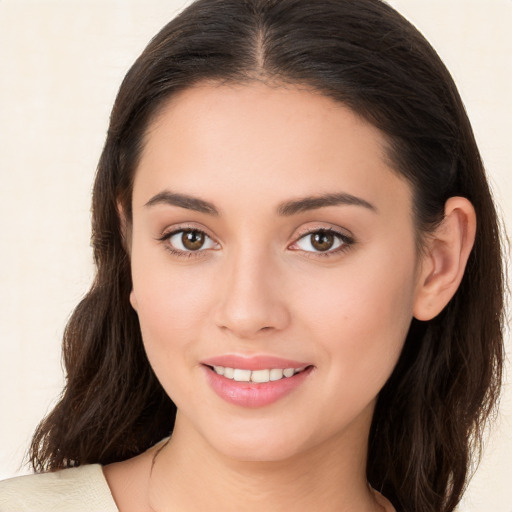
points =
(430, 416)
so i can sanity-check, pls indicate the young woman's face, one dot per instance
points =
(269, 233)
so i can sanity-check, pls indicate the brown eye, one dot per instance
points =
(322, 241)
(190, 240)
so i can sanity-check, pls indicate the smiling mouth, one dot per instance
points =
(259, 386)
(256, 376)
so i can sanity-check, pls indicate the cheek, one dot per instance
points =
(361, 318)
(170, 306)
(170, 310)
(171, 303)
(169, 295)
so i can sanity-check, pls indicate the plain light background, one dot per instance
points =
(61, 63)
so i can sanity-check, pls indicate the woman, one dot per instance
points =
(298, 276)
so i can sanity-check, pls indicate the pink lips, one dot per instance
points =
(254, 362)
(251, 394)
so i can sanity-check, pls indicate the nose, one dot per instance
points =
(252, 299)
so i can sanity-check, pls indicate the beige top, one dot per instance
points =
(82, 489)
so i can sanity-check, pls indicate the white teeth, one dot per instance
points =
(241, 375)
(276, 374)
(258, 376)
(219, 369)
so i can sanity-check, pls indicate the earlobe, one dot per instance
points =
(133, 300)
(445, 258)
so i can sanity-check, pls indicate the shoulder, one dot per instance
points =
(72, 490)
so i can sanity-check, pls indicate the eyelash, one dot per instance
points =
(165, 239)
(346, 242)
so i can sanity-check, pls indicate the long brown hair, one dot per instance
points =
(430, 415)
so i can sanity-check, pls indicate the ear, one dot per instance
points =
(445, 258)
(133, 300)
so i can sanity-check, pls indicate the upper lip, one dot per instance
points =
(261, 362)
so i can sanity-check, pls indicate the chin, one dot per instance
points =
(265, 451)
(260, 442)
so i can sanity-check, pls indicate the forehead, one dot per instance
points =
(272, 141)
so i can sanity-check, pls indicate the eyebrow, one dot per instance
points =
(183, 201)
(314, 202)
(285, 209)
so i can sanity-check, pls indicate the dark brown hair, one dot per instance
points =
(430, 414)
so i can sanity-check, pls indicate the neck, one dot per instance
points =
(188, 474)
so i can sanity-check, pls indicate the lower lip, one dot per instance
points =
(252, 394)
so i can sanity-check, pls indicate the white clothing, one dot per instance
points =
(81, 489)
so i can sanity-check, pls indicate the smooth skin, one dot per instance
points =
(267, 277)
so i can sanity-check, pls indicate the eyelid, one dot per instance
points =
(346, 239)
(169, 232)
(186, 226)
(326, 227)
